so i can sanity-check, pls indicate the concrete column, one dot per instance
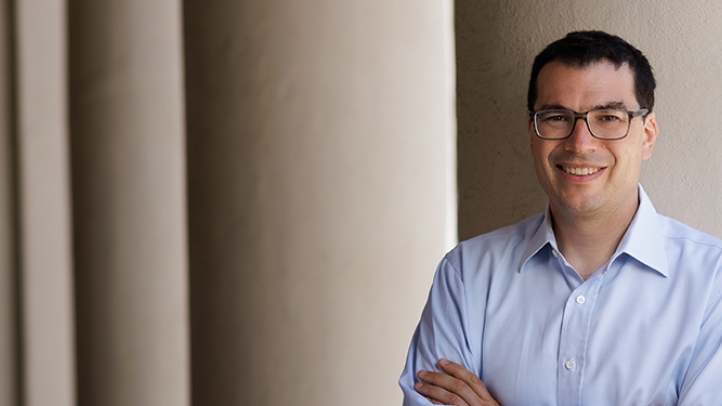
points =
(496, 41)
(8, 259)
(129, 195)
(320, 153)
(43, 231)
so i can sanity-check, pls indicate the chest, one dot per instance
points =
(605, 341)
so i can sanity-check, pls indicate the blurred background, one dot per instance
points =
(243, 202)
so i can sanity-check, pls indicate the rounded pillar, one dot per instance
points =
(128, 149)
(320, 142)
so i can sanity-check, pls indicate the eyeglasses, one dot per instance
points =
(604, 124)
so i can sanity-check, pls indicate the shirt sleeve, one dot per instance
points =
(441, 333)
(703, 380)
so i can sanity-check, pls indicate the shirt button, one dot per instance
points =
(581, 299)
(555, 254)
(570, 364)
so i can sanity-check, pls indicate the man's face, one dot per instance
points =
(582, 175)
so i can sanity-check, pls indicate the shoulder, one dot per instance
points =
(694, 255)
(678, 233)
(496, 246)
(506, 235)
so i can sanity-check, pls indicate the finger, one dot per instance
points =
(447, 389)
(438, 395)
(463, 374)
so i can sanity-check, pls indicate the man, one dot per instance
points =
(597, 301)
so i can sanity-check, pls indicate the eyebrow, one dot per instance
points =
(611, 105)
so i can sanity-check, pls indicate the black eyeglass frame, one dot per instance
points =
(585, 116)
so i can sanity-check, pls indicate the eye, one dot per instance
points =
(610, 116)
(557, 117)
(554, 116)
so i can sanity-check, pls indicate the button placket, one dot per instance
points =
(576, 323)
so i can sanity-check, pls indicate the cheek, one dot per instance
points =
(540, 149)
(540, 158)
(629, 163)
(543, 167)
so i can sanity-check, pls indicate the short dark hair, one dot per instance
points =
(582, 48)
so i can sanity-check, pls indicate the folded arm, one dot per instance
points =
(456, 386)
(442, 333)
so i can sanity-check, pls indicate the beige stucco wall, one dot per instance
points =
(496, 41)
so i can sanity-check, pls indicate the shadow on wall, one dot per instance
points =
(496, 180)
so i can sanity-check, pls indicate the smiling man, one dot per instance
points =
(597, 301)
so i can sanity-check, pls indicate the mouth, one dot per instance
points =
(580, 171)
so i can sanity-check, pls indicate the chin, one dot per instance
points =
(579, 205)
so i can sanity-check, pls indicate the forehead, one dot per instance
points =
(584, 88)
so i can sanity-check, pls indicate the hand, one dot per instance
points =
(458, 386)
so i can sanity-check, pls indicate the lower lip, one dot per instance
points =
(582, 178)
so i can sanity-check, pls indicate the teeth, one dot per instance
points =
(580, 171)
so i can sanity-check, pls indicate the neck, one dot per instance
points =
(588, 241)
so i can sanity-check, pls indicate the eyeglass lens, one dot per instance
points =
(605, 124)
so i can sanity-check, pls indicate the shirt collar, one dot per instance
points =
(543, 236)
(643, 240)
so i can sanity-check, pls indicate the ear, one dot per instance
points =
(532, 132)
(650, 135)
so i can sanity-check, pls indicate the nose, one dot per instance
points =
(581, 140)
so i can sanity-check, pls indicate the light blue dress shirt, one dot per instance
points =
(645, 329)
